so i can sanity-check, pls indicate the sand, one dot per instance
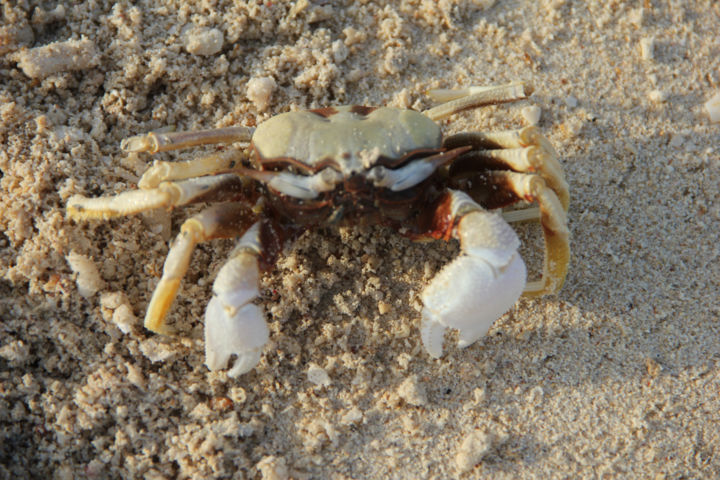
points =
(616, 377)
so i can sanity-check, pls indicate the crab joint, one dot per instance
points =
(210, 165)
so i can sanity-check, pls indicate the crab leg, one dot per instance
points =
(553, 219)
(481, 284)
(221, 221)
(474, 97)
(167, 194)
(213, 164)
(521, 215)
(524, 150)
(162, 142)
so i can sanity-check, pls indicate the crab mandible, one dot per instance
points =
(350, 165)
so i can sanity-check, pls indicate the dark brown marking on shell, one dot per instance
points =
(362, 110)
(233, 219)
(358, 202)
(324, 112)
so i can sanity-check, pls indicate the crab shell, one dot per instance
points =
(350, 139)
(349, 164)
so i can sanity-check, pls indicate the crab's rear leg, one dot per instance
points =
(220, 221)
(473, 97)
(162, 142)
(166, 194)
(532, 188)
(481, 284)
(525, 150)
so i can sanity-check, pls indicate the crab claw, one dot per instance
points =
(243, 334)
(477, 287)
(233, 324)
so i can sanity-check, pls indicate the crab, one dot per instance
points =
(351, 165)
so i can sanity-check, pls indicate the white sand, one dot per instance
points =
(617, 377)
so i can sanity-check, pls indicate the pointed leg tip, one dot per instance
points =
(139, 143)
(160, 303)
(75, 208)
(245, 363)
(157, 326)
(74, 212)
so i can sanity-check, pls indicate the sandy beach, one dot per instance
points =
(618, 376)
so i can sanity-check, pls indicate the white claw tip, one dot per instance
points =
(242, 333)
(468, 295)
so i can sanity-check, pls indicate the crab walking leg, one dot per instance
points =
(154, 142)
(220, 221)
(525, 150)
(233, 324)
(553, 219)
(474, 97)
(209, 165)
(481, 284)
(521, 215)
(167, 194)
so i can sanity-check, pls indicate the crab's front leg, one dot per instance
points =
(478, 286)
(220, 221)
